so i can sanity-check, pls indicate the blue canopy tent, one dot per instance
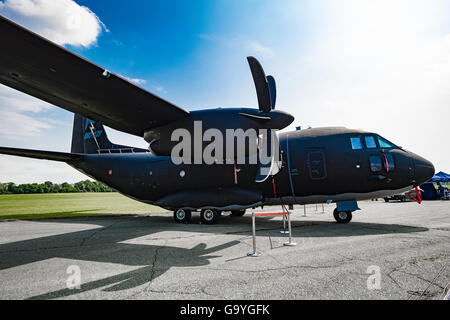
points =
(441, 177)
(429, 191)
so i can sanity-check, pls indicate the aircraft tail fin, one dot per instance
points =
(44, 155)
(89, 137)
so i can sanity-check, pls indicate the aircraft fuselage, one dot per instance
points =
(318, 165)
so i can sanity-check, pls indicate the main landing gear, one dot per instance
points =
(182, 216)
(207, 216)
(343, 216)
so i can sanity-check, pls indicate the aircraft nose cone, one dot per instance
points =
(424, 169)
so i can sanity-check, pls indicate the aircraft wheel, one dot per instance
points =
(342, 217)
(237, 213)
(182, 216)
(209, 216)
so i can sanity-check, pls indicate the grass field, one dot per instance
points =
(45, 206)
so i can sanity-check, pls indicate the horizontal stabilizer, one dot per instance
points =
(43, 155)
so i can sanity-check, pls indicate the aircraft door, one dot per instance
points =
(316, 164)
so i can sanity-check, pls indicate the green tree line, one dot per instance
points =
(50, 187)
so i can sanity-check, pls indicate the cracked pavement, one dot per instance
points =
(151, 257)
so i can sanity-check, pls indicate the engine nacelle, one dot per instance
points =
(203, 124)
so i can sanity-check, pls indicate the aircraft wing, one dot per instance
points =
(38, 67)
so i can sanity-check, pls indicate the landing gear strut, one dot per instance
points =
(182, 216)
(343, 216)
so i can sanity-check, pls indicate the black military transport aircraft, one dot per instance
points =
(314, 165)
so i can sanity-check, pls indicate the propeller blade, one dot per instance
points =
(262, 87)
(272, 91)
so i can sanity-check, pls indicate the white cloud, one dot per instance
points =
(15, 125)
(62, 21)
(382, 66)
(11, 99)
(22, 170)
(160, 89)
(136, 80)
(26, 121)
(260, 50)
(248, 47)
(18, 114)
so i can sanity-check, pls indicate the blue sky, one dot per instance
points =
(195, 48)
(382, 66)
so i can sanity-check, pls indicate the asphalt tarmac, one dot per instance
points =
(389, 251)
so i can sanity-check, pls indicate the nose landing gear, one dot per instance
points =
(343, 216)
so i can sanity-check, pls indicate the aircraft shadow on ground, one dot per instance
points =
(105, 245)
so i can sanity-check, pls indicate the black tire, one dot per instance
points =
(237, 213)
(386, 200)
(209, 216)
(342, 217)
(182, 216)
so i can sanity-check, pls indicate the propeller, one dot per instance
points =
(272, 91)
(266, 90)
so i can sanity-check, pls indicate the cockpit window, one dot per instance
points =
(384, 144)
(356, 143)
(370, 142)
(375, 164)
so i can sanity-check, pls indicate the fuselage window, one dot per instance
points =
(384, 144)
(370, 143)
(390, 162)
(356, 143)
(375, 164)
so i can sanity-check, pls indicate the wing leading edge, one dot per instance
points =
(38, 67)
